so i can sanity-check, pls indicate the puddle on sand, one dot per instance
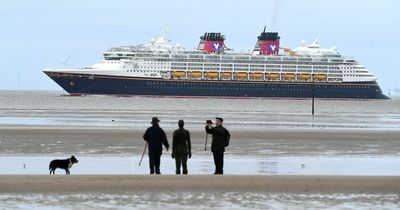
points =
(293, 165)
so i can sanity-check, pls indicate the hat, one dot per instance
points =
(155, 120)
(218, 118)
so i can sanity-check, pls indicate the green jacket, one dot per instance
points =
(181, 142)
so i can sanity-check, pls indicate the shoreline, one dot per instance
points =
(48, 184)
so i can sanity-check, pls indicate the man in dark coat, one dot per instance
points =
(181, 148)
(220, 140)
(155, 137)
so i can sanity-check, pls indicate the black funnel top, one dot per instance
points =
(212, 37)
(268, 35)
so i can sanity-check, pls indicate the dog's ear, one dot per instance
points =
(72, 156)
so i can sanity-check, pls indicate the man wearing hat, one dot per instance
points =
(181, 148)
(220, 140)
(155, 137)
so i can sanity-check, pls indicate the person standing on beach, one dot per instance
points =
(220, 140)
(155, 138)
(181, 148)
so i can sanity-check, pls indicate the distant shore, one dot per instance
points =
(48, 184)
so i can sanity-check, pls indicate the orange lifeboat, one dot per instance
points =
(226, 75)
(212, 74)
(241, 75)
(320, 76)
(288, 76)
(195, 74)
(257, 75)
(178, 74)
(305, 76)
(273, 76)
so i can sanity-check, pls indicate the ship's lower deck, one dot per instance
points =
(80, 84)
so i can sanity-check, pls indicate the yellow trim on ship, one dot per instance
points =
(273, 76)
(195, 74)
(178, 74)
(241, 75)
(257, 75)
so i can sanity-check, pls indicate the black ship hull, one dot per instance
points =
(81, 84)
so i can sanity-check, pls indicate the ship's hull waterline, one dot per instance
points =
(83, 84)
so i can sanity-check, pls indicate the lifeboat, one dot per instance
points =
(288, 76)
(226, 75)
(257, 75)
(211, 74)
(305, 76)
(273, 76)
(320, 76)
(241, 75)
(195, 74)
(178, 74)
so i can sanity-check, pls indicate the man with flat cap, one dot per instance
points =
(220, 140)
(181, 148)
(155, 137)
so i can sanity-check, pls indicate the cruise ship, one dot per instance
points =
(213, 70)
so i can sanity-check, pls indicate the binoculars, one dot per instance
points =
(209, 122)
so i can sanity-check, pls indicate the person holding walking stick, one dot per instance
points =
(220, 140)
(155, 138)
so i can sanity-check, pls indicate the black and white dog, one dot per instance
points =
(63, 164)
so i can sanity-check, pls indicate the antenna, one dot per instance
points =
(165, 31)
(64, 62)
(19, 80)
(316, 40)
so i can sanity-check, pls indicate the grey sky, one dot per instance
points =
(37, 34)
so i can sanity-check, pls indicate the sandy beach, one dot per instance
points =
(196, 183)
(267, 142)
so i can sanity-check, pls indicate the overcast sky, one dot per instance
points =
(38, 34)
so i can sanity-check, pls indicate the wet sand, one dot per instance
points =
(47, 184)
(46, 140)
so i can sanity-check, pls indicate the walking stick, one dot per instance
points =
(205, 146)
(145, 147)
(208, 122)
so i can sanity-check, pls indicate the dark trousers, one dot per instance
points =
(219, 162)
(154, 157)
(181, 159)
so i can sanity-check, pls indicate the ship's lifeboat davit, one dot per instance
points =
(195, 74)
(289, 76)
(304, 76)
(273, 76)
(320, 76)
(212, 74)
(226, 75)
(257, 75)
(241, 75)
(178, 74)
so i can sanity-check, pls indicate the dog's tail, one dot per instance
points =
(51, 163)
